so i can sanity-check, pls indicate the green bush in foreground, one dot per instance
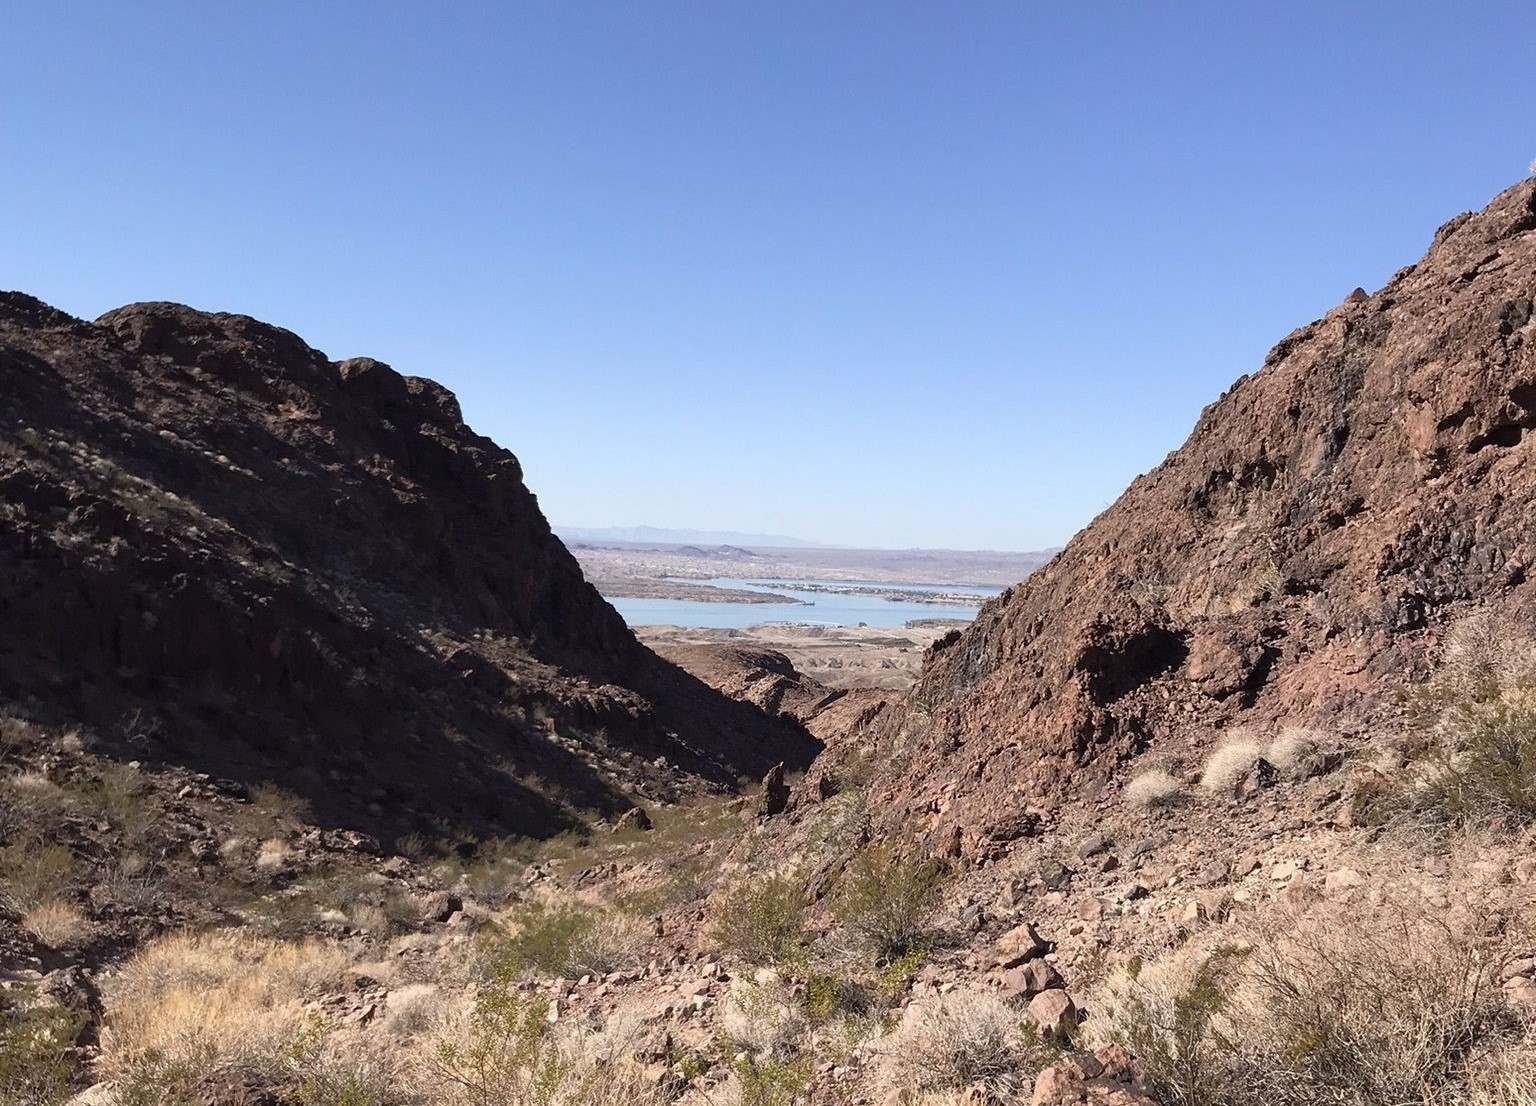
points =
(886, 899)
(757, 918)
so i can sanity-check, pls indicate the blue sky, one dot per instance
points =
(886, 273)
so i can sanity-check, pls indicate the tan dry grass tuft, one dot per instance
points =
(1153, 788)
(1235, 755)
(1385, 998)
(58, 924)
(274, 852)
(1291, 746)
(227, 1001)
(962, 1039)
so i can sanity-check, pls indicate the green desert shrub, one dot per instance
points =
(886, 898)
(567, 939)
(758, 917)
(37, 1061)
(1476, 762)
(506, 1053)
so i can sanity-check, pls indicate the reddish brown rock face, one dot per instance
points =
(1295, 559)
(220, 548)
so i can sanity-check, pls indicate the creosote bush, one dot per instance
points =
(886, 898)
(1476, 762)
(757, 917)
(504, 1052)
(568, 939)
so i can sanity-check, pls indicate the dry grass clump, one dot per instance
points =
(1237, 753)
(32, 874)
(1153, 788)
(1357, 1005)
(1291, 746)
(962, 1039)
(413, 1009)
(274, 852)
(225, 1003)
(58, 924)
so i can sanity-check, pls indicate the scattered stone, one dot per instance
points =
(1054, 875)
(634, 819)
(1259, 777)
(1029, 980)
(824, 785)
(1106, 1077)
(439, 906)
(1342, 879)
(1053, 1013)
(1019, 945)
(1093, 845)
(1525, 966)
(1213, 873)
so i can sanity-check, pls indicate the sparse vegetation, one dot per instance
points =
(764, 1018)
(503, 1053)
(1152, 788)
(1477, 716)
(36, 1041)
(32, 874)
(757, 918)
(1362, 1005)
(886, 899)
(963, 1039)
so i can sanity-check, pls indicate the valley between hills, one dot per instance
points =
(329, 778)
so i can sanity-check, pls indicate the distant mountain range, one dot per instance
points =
(658, 535)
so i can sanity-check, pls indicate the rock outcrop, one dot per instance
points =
(220, 548)
(1295, 559)
(770, 681)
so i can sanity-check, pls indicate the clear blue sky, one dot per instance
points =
(888, 273)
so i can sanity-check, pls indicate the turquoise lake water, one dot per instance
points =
(819, 608)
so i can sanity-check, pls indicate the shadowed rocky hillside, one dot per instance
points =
(221, 549)
(1297, 558)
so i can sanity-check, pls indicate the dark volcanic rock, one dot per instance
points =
(1297, 558)
(220, 548)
